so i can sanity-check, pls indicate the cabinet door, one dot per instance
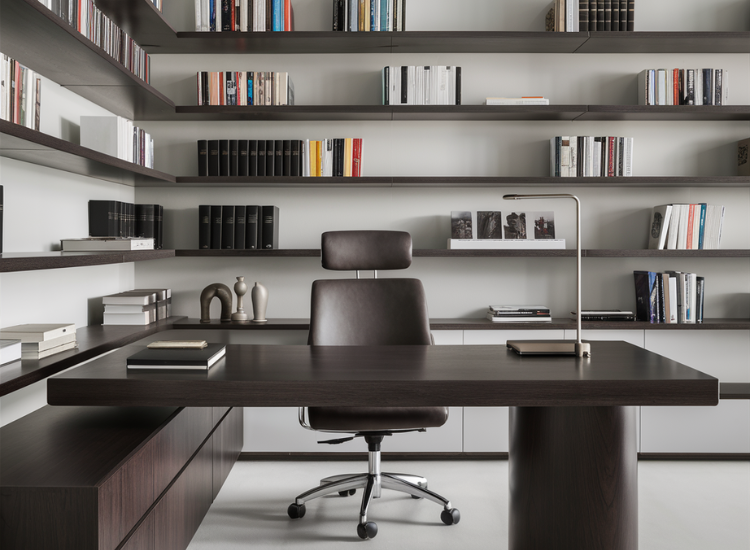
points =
(721, 429)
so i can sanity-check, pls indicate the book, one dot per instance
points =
(223, 157)
(213, 157)
(605, 315)
(234, 157)
(133, 308)
(240, 229)
(143, 318)
(252, 226)
(645, 291)
(178, 344)
(518, 310)
(46, 353)
(506, 244)
(49, 344)
(269, 221)
(177, 359)
(204, 226)
(216, 226)
(10, 350)
(227, 227)
(518, 319)
(516, 101)
(660, 218)
(131, 297)
(202, 157)
(37, 332)
(106, 243)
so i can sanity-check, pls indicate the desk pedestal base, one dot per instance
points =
(573, 478)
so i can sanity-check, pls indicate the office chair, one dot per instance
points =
(368, 312)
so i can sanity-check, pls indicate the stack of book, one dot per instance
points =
(686, 227)
(243, 15)
(20, 93)
(683, 87)
(238, 227)
(42, 340)
(518, 314)
(245, 88)
(590, 156)
(99, 244)
(605, 315)
(177, 355)
(87, 19)
(428, 85)
(137, 307)
(339, 157)
(118, 137)
(498, 230)
(592, 15)
(523, 100)
(369, 15)
(10, 351)
(669, 297)
(118, 220)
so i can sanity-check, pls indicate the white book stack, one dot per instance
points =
(118, 137)
(10, 351)
(421, 85)
(42, 340)
(137, 307)
(92, 244)
(686, 227)
(526, 100)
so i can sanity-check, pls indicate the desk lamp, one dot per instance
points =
(557, 347)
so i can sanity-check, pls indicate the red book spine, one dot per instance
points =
(233, 16)
(691, 214)
(675, 86)
(287, 15)
(222, 88)
(357, 158)
(611, 157)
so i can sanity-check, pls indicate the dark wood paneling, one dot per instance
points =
(143, 536)
(217, 448)
(573, 478)
(30, 261)
(137, 487)
(262, 253)
(92, 341)
(693, 113)
(110, 512)
(734, 390)
(618, 373)
(271, 324)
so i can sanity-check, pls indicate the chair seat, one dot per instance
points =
(360, 419)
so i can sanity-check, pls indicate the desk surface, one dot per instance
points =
(618, 373)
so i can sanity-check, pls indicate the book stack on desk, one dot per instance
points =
(518, 314)
(137, 307)
(42, 340)
(177, 355)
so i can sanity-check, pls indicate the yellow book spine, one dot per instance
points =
(348, 157)
(320, 158)
(313, 158)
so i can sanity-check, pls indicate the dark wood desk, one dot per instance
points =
(573, 469)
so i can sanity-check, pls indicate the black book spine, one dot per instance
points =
(261, 165)
(103, 219)
(206, 92)
(631, 15)
(278, 157)
(295, 158)
(386, 86)
(700, 283)
(234, 157)
(404, 85)
(227, 227)
(608, 15)
(213, 157)
(242, 158)
(335, 171)
(615, 24)
(204, 226)
(240, 222)
(600, 15)
(583, 15)
(707, 95)
(251, 227)
(662, 312)
(144, 221)
(270, 158)
(642, 296)
(458, 85)
(336, 8)
(159, 226)
(270, 227)
(718, 86)
(223, 157)
(226, 14)
(287, 148)
(593, 14)
(216, 227)
(202, 157)
(252, 157)
(623, 15)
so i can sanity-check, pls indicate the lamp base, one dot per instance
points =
(550, 347)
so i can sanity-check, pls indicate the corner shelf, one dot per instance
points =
(24, 144)
(92, 341)
(31, 261)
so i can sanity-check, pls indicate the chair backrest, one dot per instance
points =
(368, 311)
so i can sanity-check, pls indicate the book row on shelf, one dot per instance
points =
(686, 227)
(244, 15)
(118, 137)
(369, 15)
(87, 19)
(238, 227)
(245, 88)
(683, 87)
(20, 94)
(590, 156)
(137, 307)
(117, 219)
(591, 15)
(669, 297)
(338, 157)
(421, 85)
(36, 341)
(503, 230)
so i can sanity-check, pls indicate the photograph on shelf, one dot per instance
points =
(461, 225)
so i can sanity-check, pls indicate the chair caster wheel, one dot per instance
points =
(296, 511)
(450, 517)
(348, 493)
(367, 530)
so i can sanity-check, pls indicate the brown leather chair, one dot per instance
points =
(369, 312)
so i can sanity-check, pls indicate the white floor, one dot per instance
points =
(682, 506)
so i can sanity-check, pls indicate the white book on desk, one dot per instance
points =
(506, 244)
(37, 332)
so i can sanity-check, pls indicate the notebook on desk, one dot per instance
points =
(177, 359)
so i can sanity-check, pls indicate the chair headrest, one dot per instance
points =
(366, 250)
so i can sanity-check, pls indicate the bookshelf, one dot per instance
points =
(32, 261)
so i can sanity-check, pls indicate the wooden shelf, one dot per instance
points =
(31, 261)
(450, 181)
(39, 39)
(444, 253)
(734, 390)
(692, 113)
(21, 143)
(92, 341)
(666, 42)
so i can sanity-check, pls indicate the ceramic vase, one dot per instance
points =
(259, 296)
(240, 288)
